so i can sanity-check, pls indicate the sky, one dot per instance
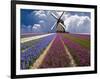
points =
(41, 21)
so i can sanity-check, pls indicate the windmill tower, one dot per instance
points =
(60, 27)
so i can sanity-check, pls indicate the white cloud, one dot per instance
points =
(36, 28)
(42, 23)
(40, 14)
(29, 26)
(23, 28)
(44, 15)
(77, 24)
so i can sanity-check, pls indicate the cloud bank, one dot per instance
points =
(77, 24)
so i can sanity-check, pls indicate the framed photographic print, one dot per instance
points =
(52, 39)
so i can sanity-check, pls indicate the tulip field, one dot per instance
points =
(55, 50)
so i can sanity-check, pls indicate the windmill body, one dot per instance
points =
(60, 27)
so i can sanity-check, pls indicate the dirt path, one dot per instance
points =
(41, 58)
(72, 62)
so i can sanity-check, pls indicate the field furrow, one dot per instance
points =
(56, 55)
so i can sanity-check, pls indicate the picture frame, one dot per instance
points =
(19, 10)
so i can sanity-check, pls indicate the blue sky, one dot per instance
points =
(41, 21)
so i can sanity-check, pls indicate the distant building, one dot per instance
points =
(59, 27)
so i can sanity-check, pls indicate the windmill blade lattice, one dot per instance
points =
(61, 16)
(53, 25)
(54, 16)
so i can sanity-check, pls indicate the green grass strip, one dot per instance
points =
(83, 42)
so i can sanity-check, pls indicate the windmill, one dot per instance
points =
(59, 24)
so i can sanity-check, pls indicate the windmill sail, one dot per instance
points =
(53, 25)
(61, 16)
(54, 16)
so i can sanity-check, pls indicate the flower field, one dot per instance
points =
(80, 53)
(64, 48)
